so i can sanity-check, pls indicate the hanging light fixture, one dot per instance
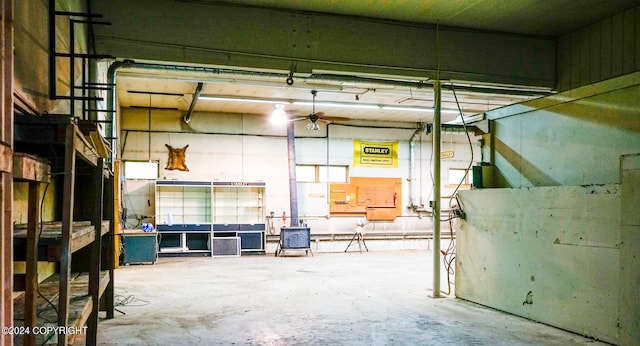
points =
(313, 126)
(279, 115)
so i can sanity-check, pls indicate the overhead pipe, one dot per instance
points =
(412, 144)
(111, 101)
(333, 78)
(435, 206)
(194, 100)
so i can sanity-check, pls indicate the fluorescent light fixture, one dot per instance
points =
(322, 104)
(337, 104)
(238, 99)
(418, 109)
(410, 109)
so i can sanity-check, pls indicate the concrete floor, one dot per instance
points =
(373, 298)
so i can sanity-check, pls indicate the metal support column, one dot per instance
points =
(293, 187)
(436, 189)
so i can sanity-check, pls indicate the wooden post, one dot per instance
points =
(96, 249)
(109, 259)
(67, 224)
(6, 177)
(31, 286)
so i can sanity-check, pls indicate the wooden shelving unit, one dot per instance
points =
(75, 244)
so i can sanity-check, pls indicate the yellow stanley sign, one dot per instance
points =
(446, 154)
(375, 154)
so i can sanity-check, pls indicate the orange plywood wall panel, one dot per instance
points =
(360, 193)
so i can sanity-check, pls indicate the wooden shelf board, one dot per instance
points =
(30, 168)
(80, 304)
(83, 234)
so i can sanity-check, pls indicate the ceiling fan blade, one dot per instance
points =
(321, 116)
(334, 118)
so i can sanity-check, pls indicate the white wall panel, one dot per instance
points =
(230, 147)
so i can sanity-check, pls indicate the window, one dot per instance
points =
(306, 173)
(457, 175)
(141, 169)
(337, 174)
(319, 174)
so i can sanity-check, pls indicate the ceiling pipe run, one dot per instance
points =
(194, 100)
(412, 158)
(237, 76)
(111, 102)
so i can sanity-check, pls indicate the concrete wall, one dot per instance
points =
(231, 147)
(550, 254)
(562, 245)
(629, 290)
(603, 50)
(219, 34)
(573, 138)
(566, 256)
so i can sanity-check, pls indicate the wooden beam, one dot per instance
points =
(6, 179)
(5, 158)
(31, 286)
(30, 168)
(85, 149)
(109, 255)
(67, 224)
(79, 309)
(95, 260)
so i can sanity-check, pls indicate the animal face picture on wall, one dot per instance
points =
(177, 158)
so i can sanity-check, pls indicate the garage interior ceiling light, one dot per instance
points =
(238, 99)
(279, 115)
(321, 103)
(337, 104)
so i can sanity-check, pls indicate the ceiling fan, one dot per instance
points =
(316, 117)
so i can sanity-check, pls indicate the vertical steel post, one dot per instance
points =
(436, 189)
(293, 187)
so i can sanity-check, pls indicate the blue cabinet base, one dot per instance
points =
(140, 247)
